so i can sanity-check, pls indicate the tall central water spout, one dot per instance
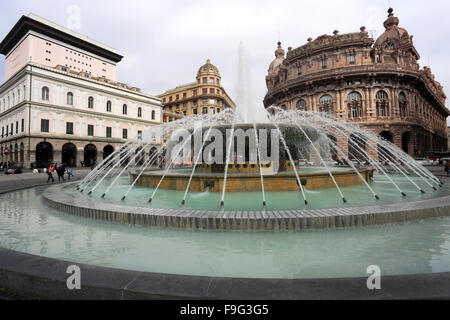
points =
(246, 107)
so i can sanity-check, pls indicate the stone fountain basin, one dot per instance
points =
(242, 181)
(292, 220)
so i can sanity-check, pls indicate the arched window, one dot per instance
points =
(139, 112)
(302, 105)
(91, 103)
(153, 114)
(382, 104)
(354, 107)
(124, 109)
(326, 99)
(70, 98)
(45, 93)
(381, 95)
(354, 96)
(284, 107)
(108, 106)
(325, 107)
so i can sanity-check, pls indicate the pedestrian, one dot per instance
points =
(447, 167)
(69, 173)
(50, 173)
(60, 170)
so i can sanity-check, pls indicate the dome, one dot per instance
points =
(278, 61)
(393, 34)
(208, 69)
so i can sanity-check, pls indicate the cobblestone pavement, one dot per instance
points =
(28, 179)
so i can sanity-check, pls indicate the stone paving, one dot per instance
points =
(29, 179)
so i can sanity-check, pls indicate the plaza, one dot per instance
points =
(205, 193)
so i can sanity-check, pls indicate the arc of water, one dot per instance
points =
(227, 162)
(371, 160)
(104, 167)
(417, 169)
(350, 163)
(115, 165)
(391, 162)
(148, 163)
(388, 157)
(100, 167)
(260, 164)
(197, 159)
(323, 162)
(171, 162)
(123, 170)
(291, 160)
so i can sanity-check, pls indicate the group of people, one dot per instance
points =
(8, 167)
(60, 171)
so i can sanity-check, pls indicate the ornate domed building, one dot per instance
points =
(204, 96)
(378, 84)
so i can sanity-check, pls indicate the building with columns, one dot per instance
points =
(375, 83)
(204, 96)
(60, 101)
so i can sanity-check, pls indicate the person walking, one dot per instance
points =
(69, 173)
(447, 167)
(50, 173)
(61, 170)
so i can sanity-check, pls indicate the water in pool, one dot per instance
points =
(26, 225)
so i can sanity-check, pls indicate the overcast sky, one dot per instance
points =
(165, 42)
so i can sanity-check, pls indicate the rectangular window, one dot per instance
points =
(195, 102)
(204, 90)
(194, 92)
(205, 80)
(299, 70)
(205, 110)
(45, 125)
(177, 97)
(17, 127)
(23, 125)
(324, 63)
(139, 134)
(205, 101)
(194, 111)
(108, 132)
(351, 59)
(212, 91)
(12, 129)
(7, 132)
(212, 110)
(211, 80)
(378, 58)
(3, 132)
(69, 127)
(184, 95)
(90, 130)
(125, 133)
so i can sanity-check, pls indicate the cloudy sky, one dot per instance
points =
(165, 42)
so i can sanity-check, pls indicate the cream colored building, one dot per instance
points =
(60, 101)
(204, 96)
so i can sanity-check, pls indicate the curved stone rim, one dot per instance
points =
(42, 277)
(288, 220)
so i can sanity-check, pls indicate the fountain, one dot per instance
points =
(172, 200)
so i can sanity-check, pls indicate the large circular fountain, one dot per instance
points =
(167, 201)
